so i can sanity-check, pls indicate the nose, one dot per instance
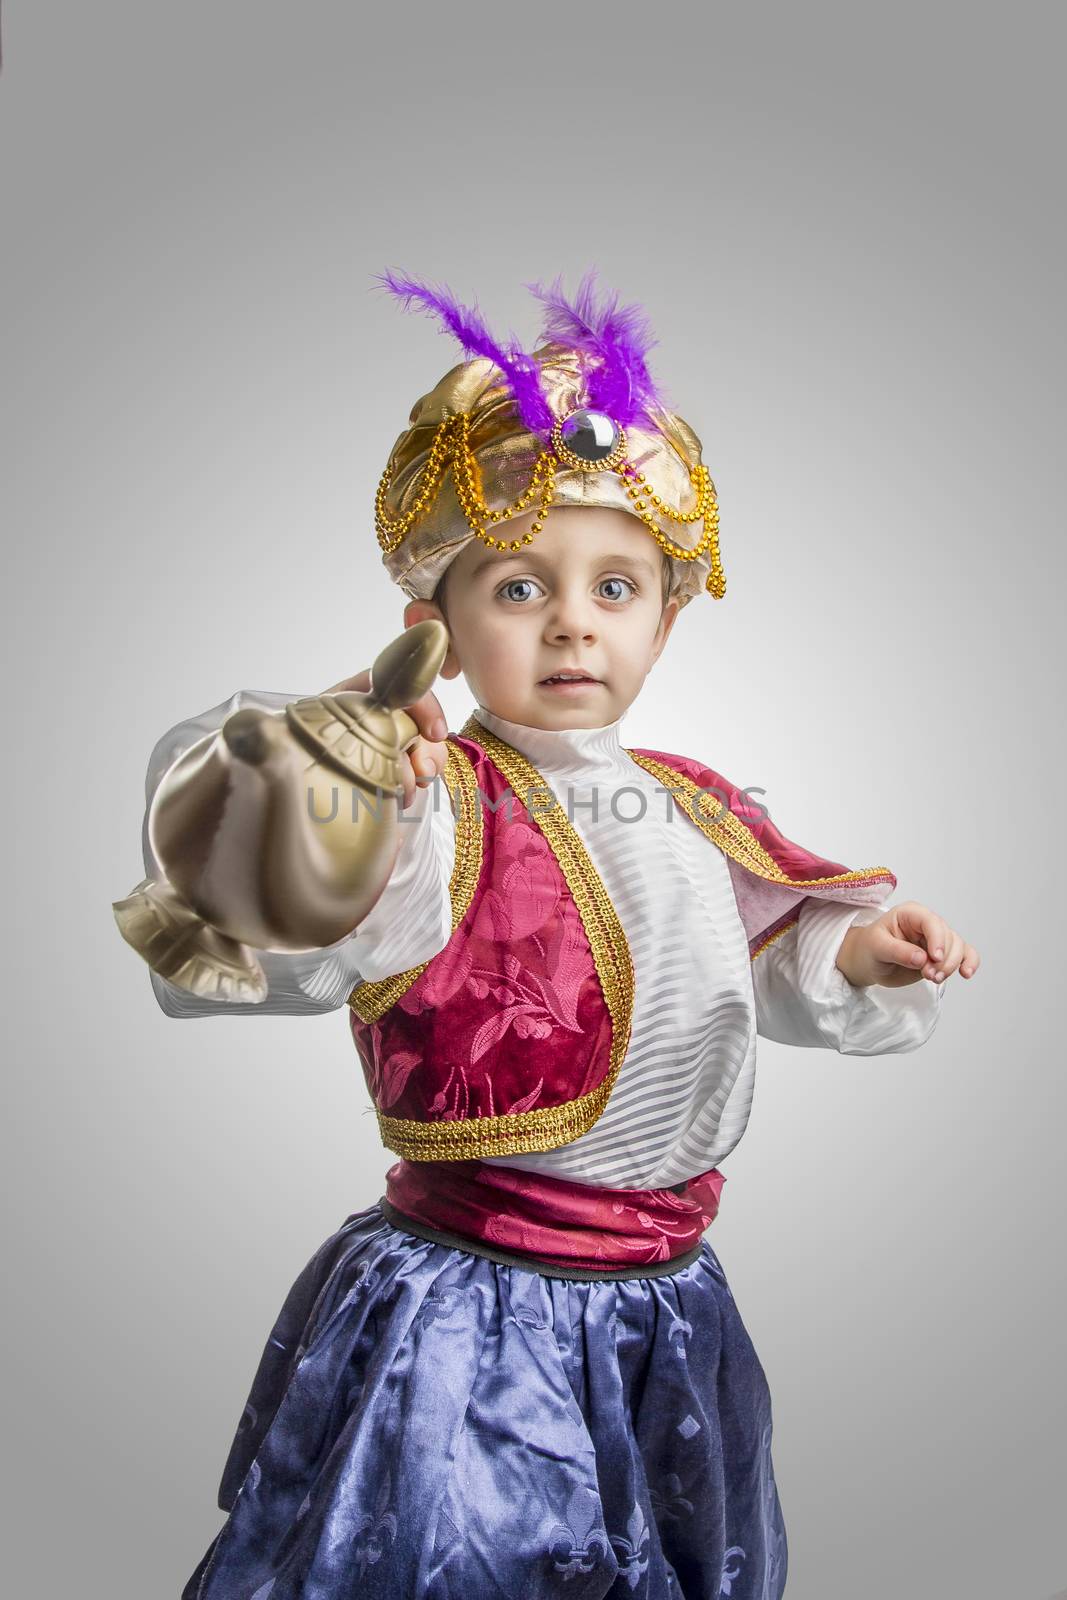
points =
(571, 615)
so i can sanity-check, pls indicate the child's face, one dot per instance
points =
(586, 593)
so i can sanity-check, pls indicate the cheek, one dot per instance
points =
(496, 643)
(636, 639)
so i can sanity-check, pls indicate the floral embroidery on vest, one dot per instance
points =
(530, 1000)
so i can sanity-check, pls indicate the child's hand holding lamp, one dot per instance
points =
(425, 760)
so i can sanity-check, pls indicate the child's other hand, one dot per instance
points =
(907, 943)
(425, 760)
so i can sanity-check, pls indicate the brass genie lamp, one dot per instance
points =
(280, 830)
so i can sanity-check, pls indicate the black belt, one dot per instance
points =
(532, 1263)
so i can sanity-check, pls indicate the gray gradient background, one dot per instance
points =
(845, 228)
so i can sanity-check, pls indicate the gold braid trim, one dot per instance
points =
(546, 1127)
(451, 448)
(370, 1000)
(776, 935)
(731, 835)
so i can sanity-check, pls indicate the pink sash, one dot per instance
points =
(554, 1219)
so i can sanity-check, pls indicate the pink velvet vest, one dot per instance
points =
(511, 1038)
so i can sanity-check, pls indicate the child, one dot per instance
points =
(521, 1372)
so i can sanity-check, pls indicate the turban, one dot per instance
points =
(510, 401)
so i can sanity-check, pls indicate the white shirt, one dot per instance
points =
(682, 1099)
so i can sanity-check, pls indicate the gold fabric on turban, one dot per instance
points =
(505, 452)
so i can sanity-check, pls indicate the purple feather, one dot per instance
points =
(470, 328)
(617, 337)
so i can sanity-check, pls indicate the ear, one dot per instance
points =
(420, 611)
(666, 623)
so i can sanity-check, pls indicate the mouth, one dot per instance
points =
(564, 681)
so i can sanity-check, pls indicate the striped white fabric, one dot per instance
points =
(684, 1092)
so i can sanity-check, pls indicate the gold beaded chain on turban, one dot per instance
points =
(468, 463)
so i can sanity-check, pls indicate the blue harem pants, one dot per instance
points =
(428, 1424)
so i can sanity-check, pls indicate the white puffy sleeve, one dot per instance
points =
(803, 998)
(409, 922)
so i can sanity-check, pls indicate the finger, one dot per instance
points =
(427, 760)
(921, 925)
(428, 717)
(423, 763)
(951, 959)
(900, 952)
(935, 933)
(924, 927)
(438, 754)
(971, 961)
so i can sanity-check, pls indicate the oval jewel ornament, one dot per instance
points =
(590, 435)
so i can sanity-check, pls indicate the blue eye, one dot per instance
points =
(505, 593)
(513, 584)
